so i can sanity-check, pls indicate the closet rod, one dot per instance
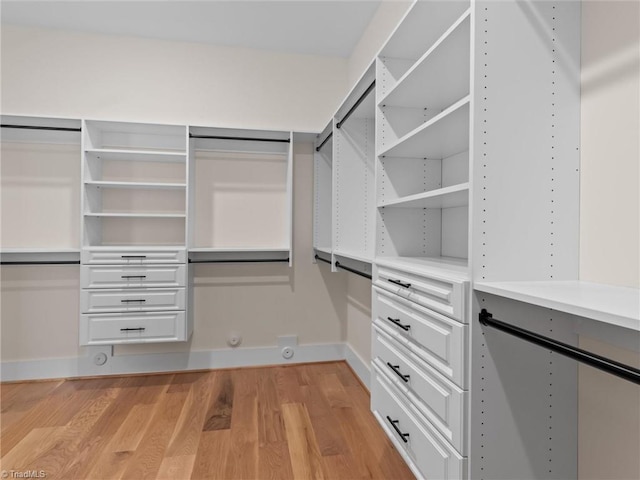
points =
(603, 363)
(352, 270)
(323, 259)
(35, 127)
(250, 139)
(355, 105)
(43, 262)
(326, 139)
(242, 260)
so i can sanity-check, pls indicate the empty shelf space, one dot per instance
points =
(613, 305)
(141, 185)
(441, 76)
(444, 135)
(448, 197)
(137, 155)
(237, 255)
(40, 255)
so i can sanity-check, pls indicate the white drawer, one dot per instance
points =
(437, 339)
(421, 446)
(134, 256)
(439, 401)
(127, 277)
(116, 328)
(132, 300)
(444, 296)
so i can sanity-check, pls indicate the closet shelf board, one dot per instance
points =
(444, 135)
(448, 197)
(440, 74)
(138, 155)
(141, 185)
(613, 305)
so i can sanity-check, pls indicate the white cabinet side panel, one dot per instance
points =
(527, 107)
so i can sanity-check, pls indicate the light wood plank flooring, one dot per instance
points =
(291, 422)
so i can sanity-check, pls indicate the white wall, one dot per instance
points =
(64, 74)
(609, 412)
(79, 75)
(610, 143)
(388, 15)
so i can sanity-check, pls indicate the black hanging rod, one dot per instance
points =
(352, 270)
(323, 259)
(36, 127)
(603, 363)
(42, 262)
(355, 105)
(242, 260)
(250, 139)
(326, 139)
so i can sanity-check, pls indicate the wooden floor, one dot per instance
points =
(303, 421)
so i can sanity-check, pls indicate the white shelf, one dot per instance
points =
(141, 185)
(137, 215)
(236, 249)
(448, 197)
(27, 255)
(444, 267)
(359, 256)
(134, 155)
(618, 306)
(440, 76)
(444, 135)
(325, 250)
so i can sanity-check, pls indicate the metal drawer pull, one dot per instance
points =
(396, 322)
(132, 301)
(403, 436)
(137, 329)
(133, 256)
(134, 276)
(396, 370)
(398, 282)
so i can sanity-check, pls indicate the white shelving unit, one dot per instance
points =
(240, 204)
(423, 136)
(353, 185)
(323, 193)
(40, 189)
(133, 272)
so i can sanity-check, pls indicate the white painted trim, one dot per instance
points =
(361, 368)
(167, 362)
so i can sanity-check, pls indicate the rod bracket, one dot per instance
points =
(483, 316)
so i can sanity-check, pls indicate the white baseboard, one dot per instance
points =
(361, 368)
(167, 362)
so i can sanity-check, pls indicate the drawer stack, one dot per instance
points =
(133, 295)
(419, 380)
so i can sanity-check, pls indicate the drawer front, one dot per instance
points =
(436, 338)
(116, 328)
(134, 257)
(441, 403)
(430, 453)
(128, 277)
(443, 296)
(132, 300)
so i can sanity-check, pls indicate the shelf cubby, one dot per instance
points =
(40, 185)
(416, 34)
(134, 184)
(442, 136)
(240, 194)
(323, 190)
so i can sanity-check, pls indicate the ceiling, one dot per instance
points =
(316, 27)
